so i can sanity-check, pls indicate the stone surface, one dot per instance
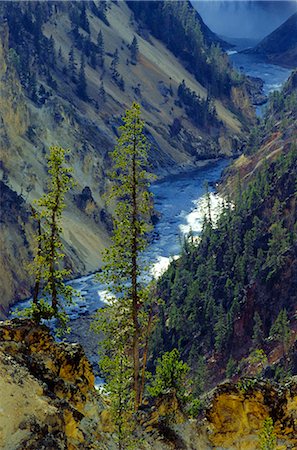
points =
(47, 398)
(48, 402)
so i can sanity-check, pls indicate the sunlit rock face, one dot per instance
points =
(232, 420)
(237, 413)
(48, 401)
(47, 391)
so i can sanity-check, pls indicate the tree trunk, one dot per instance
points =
(145, 354)
(53, 238)
(38, 276)
(135, 300)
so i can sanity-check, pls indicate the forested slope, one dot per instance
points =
(227, 296)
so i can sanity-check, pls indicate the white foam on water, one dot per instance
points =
(161, 265)
(231, 52)
(274, 87)
(194, 220)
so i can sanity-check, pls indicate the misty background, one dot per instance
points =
(244, 19)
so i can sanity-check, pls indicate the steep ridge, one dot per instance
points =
(225, 294)
(44, 101)
(280, 47)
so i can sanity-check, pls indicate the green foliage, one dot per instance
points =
(258, 358)
(114, 65)
(33, 59)
(205, 290)
(280, 330)
(46, 267)
(267, 436)
(282, 373)
(100, 10)
(258, 333)
(207, 62)
(170, 377)
(72, 65)
(117, 370)
(199, 375)
(201, 111)
(127, 320)
(134, 50)
(278, 244)
(102, 94)
(14, 59)
(100, 49)
(195, 407)
(245, 384)
(83, 19)
(82, 83)
(220, 329)
(231, 367)
(51, 53)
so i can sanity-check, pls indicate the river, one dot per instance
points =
(273, 76)
(180, 203)
(179, 200)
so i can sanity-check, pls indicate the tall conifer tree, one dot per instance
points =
(100, 49)
(126, 320)
(82, 83)
(72, 65)
(47, 267)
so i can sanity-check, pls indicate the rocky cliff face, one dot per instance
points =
(236, 415)
(234, 418)
(48, 402)
(47, 391)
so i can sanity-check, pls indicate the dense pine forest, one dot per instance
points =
(233, 289)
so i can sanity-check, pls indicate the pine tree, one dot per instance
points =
(231, 367)
(220, 329)
(72, 65)
(280, 331)
(278, 244)
(82, 83)
(102, 9)
(123, 263)
(258, 334)
(267, 436)
(134, 50)
(60, 55)
(32, 86)
(102, 93)
(51, 52)
(116, 364)
(114, 65)
(47, 262)
(83, 20)
(100, 49)
(170, 376)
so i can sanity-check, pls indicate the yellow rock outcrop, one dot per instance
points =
(47, 397)
(48, 401)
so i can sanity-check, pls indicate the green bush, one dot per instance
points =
(170, 377)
